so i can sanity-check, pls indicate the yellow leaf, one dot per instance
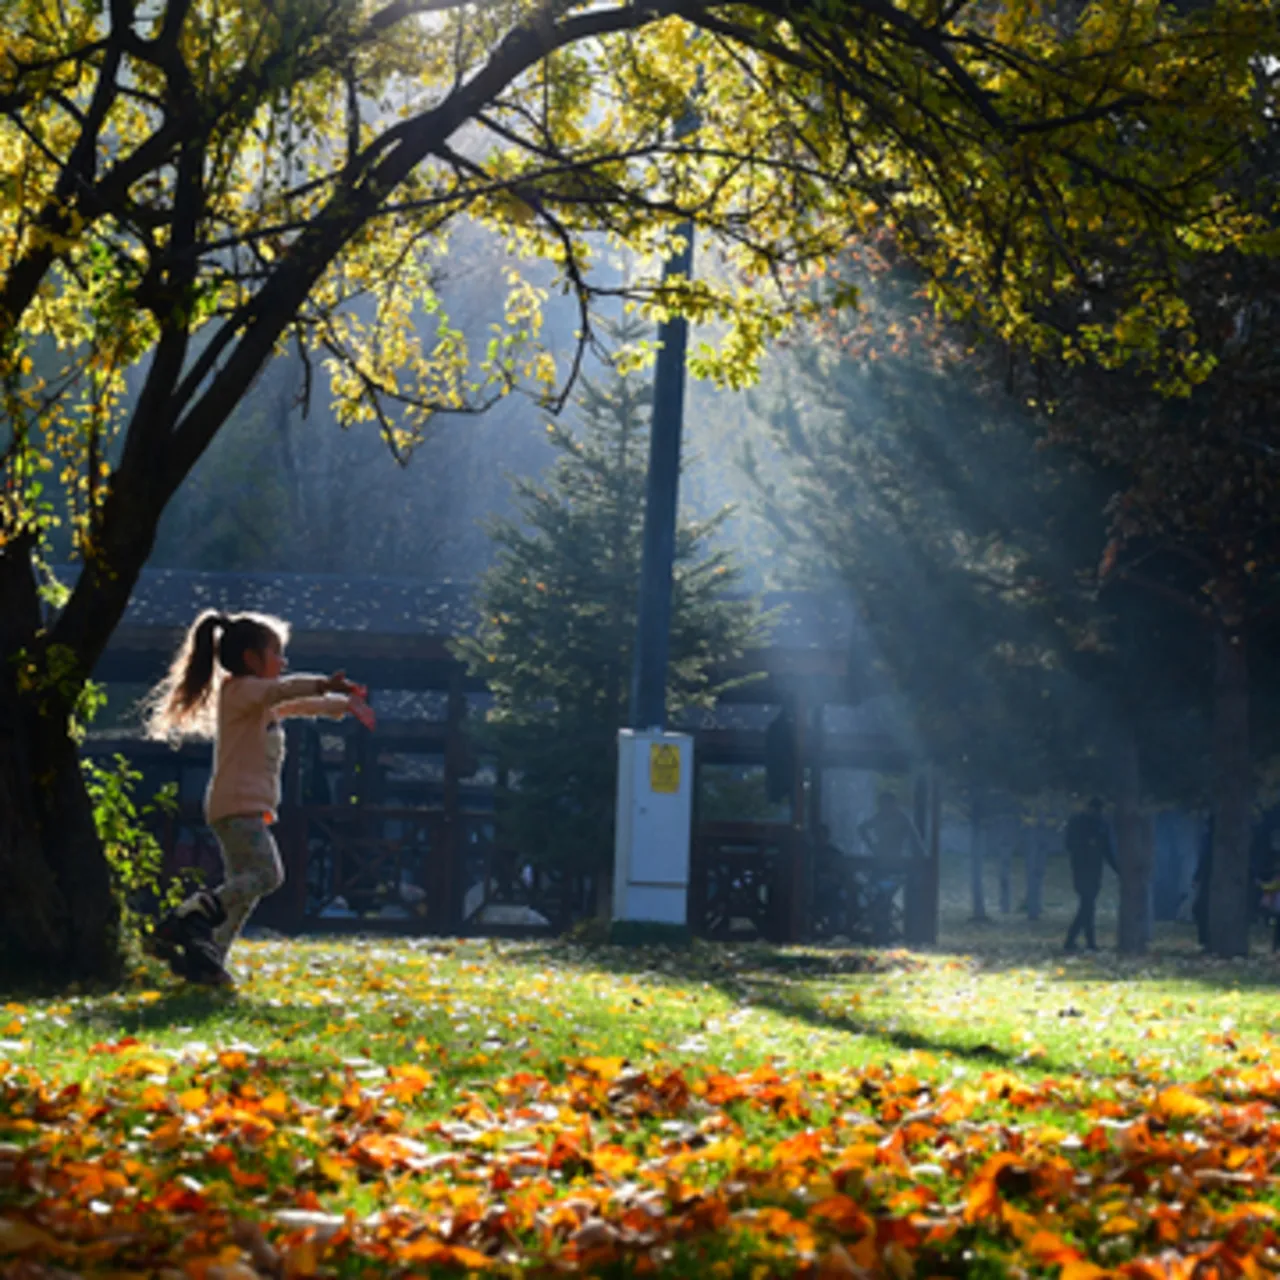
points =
(330, 1167)
(1177, 1103)
(1082, 1270)
(605, 1068)
(276, 1104)
(614, 1161)
(1120, 1225)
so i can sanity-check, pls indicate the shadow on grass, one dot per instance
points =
(801, 1005)
(286, 1033)
(764, 976)
(771, 978)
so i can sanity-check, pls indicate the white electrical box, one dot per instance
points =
(654, 818)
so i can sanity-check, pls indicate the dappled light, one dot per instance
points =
(639, 639)
(496, 1107)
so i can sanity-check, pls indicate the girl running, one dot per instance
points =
(228, 680)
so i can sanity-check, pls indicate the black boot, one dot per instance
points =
(184, 941)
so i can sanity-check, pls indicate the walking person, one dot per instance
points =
(228, 681)
(892, 838)
(1088, 842)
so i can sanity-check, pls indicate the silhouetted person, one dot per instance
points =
(1088, 844)
(891, 836)
(891, 833)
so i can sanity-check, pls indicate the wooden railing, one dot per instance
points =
(413, 870)
(746, 880)
(405, 870)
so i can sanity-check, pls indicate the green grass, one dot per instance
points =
(409, 1036)
(995, 993)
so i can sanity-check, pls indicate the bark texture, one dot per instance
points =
(58, 918)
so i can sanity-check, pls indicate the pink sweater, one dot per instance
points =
(248, 748)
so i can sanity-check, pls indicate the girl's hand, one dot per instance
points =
(338, 683)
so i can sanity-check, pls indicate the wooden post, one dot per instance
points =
(352, 770)
(920, 925)
(446, 912)
(288, 906)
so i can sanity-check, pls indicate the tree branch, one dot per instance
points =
(1188, 604)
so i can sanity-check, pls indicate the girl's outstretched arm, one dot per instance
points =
(255, 692)
(331, 705)
(334, 706)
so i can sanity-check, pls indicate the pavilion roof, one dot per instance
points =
(335, 603)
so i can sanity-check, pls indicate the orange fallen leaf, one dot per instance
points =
(1083, 1270)
(844, 1214)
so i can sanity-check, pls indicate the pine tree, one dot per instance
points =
(557, 622)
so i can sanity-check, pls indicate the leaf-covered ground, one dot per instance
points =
(411, 1108)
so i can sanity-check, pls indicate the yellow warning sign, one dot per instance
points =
(664, 768)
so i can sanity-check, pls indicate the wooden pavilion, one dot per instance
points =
(395, 831)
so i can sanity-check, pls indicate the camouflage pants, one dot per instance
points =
(251, 870)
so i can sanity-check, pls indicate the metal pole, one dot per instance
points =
(653, 625)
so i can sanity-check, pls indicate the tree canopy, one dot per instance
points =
(557, 621)
(190, 186)
(912, 481)
(1064, 581)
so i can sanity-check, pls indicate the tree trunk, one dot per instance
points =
(1133, 850)
(976, 840)
(1229, 876)
(58, 918)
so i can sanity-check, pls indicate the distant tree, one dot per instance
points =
(1195, 524)
(1195, 530)
(274, 493)
(558, 618)
(283, 488)
(972, 554)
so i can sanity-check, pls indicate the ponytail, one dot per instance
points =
(215, 645)
(180, 704)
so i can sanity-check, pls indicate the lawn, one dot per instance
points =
(441, 1106)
